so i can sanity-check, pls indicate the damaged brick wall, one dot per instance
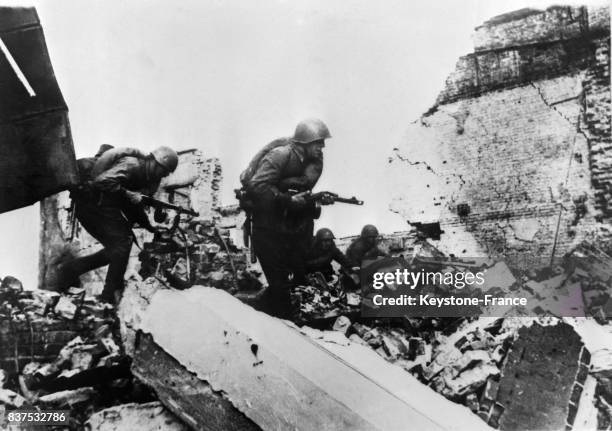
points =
(511, 159)
(596, 117)
(195, 184)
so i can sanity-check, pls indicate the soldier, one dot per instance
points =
(282, 223)
(323, 252)
(366, 246)
(108, 204)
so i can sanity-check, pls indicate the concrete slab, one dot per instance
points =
(281, 379)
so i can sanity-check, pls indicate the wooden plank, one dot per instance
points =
(281, 379)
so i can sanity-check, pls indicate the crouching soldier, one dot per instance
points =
(108, 202)
(365, 247)
(323, 252)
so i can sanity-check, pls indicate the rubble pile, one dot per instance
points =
(196, 251)
(36, 324)
(324, 301)
(458, 357)
(468, 359)
(61, 351)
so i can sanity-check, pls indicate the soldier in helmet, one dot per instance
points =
(108, 202)
(282, 223)
(323, 252)
(366, 246)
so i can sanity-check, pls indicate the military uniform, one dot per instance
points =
(102, 208)
(281, 235)
(320, 260)
(359, 251)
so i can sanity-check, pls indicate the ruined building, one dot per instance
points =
(514, 158)
(512, 162)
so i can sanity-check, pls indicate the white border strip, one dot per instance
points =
(16, 69)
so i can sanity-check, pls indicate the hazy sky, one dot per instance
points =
(229, 76)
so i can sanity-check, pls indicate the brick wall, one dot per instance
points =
(529, 26)
(512, 158)
(596, 120)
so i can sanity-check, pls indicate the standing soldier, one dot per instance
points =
(366, 246)
(282, 222)
(109, 203)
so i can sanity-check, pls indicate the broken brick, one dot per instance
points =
(416, 347)
(471, 379)
(342, 324)
(472, 402)
(69, 397)
(576, 392)
(66, 308)
(583, 371)
(11, 398)
(585, 356)
(495, 414)
(489, 393)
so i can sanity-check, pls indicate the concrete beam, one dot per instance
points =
(183, 393)
(280, 378)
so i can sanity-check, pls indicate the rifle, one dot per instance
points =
(155, 203)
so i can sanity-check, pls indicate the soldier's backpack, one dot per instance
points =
(108, 159)
(304, 182)
(86, 164)
(247, 174)
(91, 167)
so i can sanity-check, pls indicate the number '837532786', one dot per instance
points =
(36, 417)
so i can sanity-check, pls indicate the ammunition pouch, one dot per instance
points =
(311, 211)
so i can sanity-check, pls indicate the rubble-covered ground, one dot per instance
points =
(64, 350)
(468, 359)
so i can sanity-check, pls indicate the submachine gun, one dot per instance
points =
(330, 197)
(315, 198)
(157, 204)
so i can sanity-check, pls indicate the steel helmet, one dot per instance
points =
(166, 157)
(310, 130)
(323, 234)
(369, 231)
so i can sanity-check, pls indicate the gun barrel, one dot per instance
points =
(352, 201)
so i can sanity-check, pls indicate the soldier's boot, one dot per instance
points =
(70, 271)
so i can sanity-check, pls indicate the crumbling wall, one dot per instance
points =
(195, 184)
(511, 161)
